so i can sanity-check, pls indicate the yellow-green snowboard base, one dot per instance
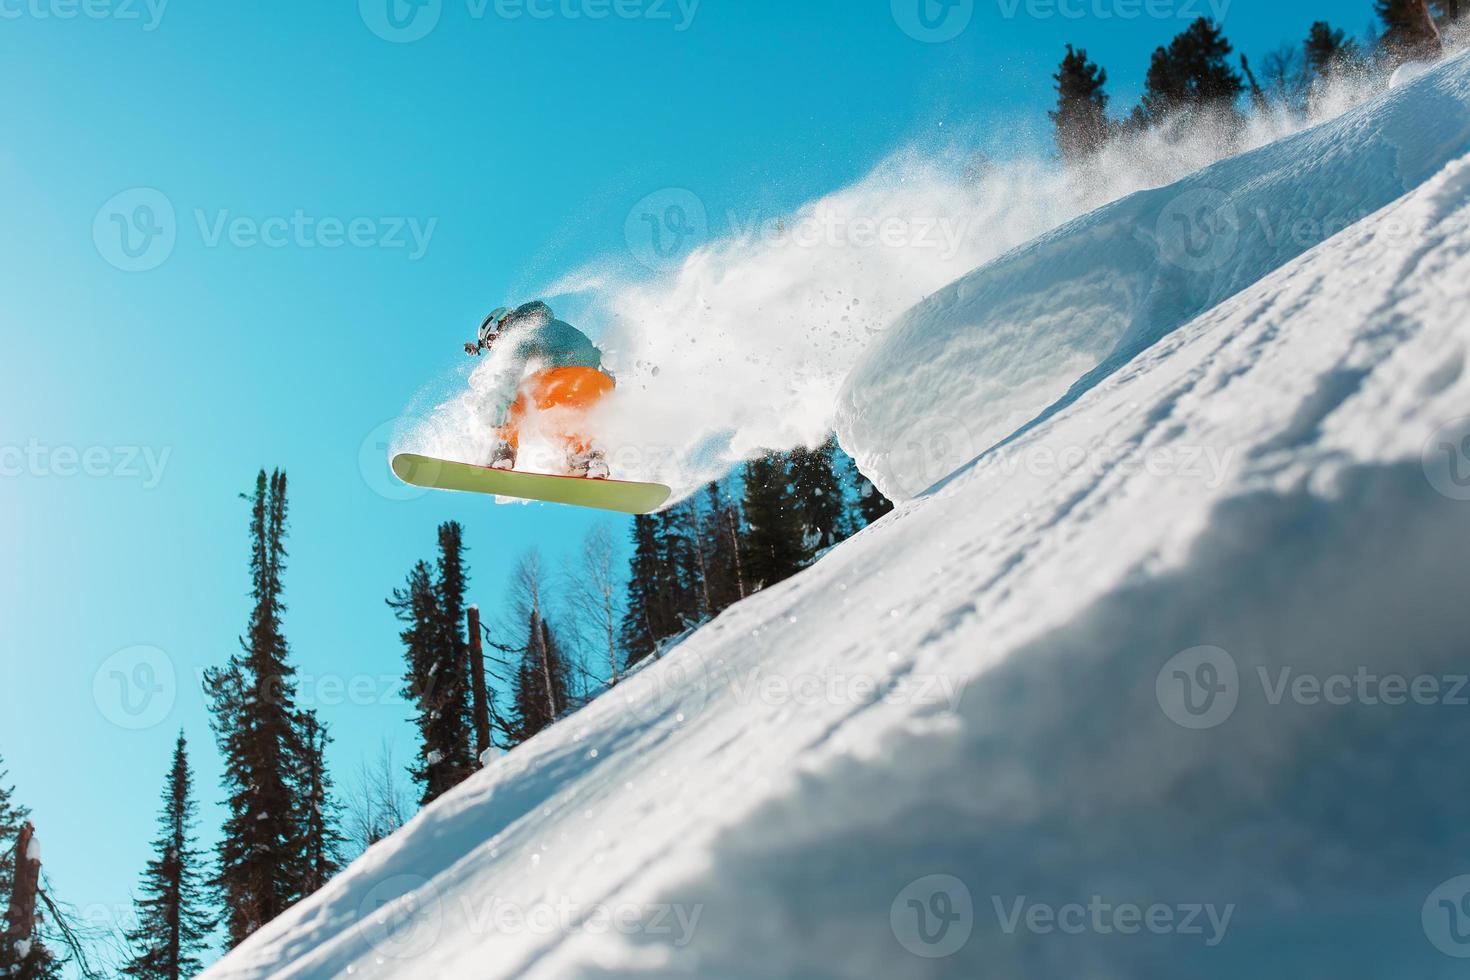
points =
(441, 474)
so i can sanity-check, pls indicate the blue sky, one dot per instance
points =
(292, 312)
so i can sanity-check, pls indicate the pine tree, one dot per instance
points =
(1410, 33)
(12, 817)
(253, 702)
(173, 926)
(819, 500)
(540, 690)
(1081, 116)
(643, 622)
(1192, 74)
(722, 529)
(1329, 50)
(773, 536)
(451, 729)
(1448, 10)
(320, 816)
(437, 655)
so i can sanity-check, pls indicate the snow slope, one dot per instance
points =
(982, 357)
(995, 685)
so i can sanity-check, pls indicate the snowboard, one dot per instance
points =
(623, 496)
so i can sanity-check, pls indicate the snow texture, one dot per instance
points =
(1050, 320)
(1170, 684)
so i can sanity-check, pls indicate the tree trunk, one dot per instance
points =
(477, 679)
(22, 913)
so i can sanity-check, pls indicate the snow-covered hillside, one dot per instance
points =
(984, 356)
(1167, 685)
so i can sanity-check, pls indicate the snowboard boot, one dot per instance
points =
(504, 457)
(591, 465)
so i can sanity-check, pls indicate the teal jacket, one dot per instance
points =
(531, 339)
(534, 339)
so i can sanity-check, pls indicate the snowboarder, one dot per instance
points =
(554, 371)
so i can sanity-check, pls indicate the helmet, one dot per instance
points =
(493, 323)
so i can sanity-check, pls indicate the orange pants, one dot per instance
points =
(569, 391)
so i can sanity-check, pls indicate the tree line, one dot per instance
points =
(1192, 80)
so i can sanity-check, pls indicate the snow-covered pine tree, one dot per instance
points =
(1081, 116)
(253, 703)
(12, 817)
(320, 818)
(173, 920)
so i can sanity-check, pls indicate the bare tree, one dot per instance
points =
(379, 802)
(1286, 78)
(528, 591)
(593, 593)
